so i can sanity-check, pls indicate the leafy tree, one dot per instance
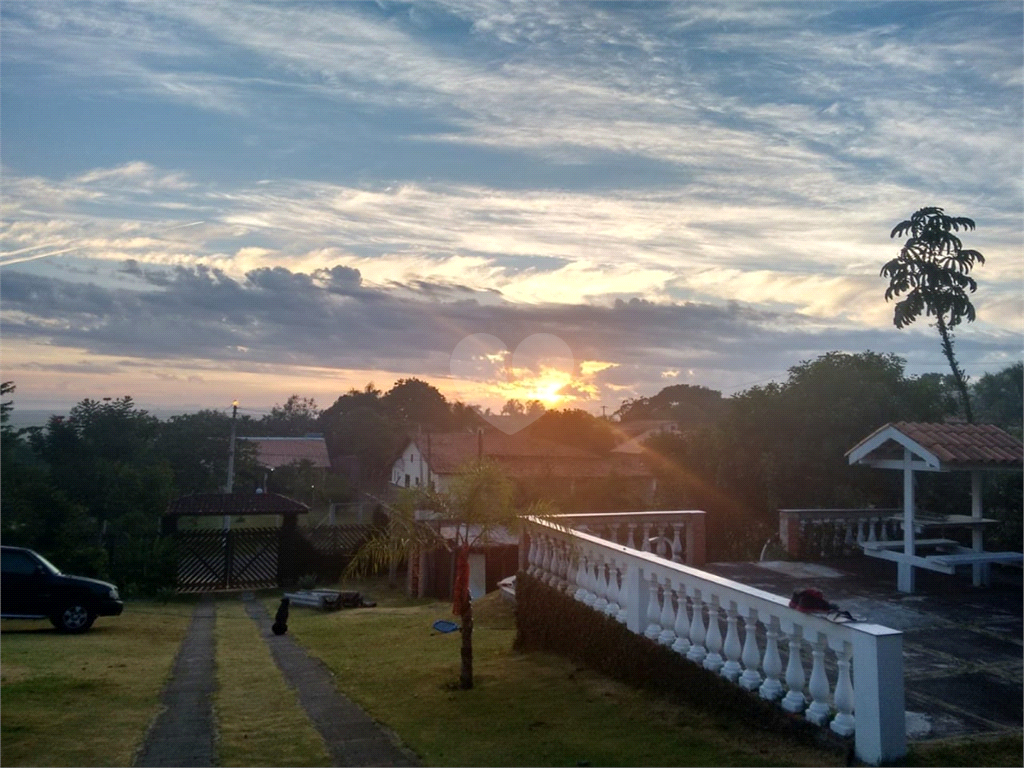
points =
(690, 406)
(417, 404)
(103, 457)
(372, 437)
(38, 515)
(576, 428)
(195, 446)
(478, 503)
(783, 444)
(1000, 398)
(932, 270)
(515, 407)
(297, 417)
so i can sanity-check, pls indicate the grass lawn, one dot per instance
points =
(534, 709)
(85, 699)
(260, 721)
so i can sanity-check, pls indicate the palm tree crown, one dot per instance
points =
(932, 269)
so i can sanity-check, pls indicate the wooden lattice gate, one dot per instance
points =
(241, 559)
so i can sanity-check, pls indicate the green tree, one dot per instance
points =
(932, 270)
(417, 404)
(576, 428)
(103, 457)
(999, 398)
(689, 405)
(478, 503)
(195, 446)
(297, 417)
(36, 514)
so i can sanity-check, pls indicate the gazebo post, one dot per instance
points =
(904, 568)
(980, 570)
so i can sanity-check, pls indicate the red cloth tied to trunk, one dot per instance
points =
(460, 593)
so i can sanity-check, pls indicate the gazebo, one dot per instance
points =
(933, 447)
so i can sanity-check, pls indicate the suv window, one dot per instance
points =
(17, 562)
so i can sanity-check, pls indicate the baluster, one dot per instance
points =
(645, 545)
(667, 619)
(697, 650)
(844, 723)
(885, 530)
(682, 625)
(818, 687)
(568, 572)
(713, 638)
(612, 608)
(631, 536)
(547, 564)
(848, 538)
(602, 586)
(531, 570)
(677, 544)
(661, 550)
(771, 688)
(571, 585)
(583, 579)
(837, 535)
(795, 701)
(731, 669)
(751, 678)
(860, 531)
(623, 596)
(653, 610)
(591, 595)
(871, 530)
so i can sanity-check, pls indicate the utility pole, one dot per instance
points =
(231, 460)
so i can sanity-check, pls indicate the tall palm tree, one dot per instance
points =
(932, 270)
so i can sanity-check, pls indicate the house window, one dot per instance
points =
(406, 481)
(417, 482)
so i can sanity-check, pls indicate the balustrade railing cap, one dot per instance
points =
(751, 595)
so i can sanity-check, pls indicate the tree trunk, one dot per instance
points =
(466, 675)
(958, 374)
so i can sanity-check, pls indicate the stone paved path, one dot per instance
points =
(182, 734)
(352, 736)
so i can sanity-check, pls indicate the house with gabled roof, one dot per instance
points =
(434, 459)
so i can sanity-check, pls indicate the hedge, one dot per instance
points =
(549, 620)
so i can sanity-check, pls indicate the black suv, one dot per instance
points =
(31, 587)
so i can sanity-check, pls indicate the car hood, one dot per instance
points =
(85, 581)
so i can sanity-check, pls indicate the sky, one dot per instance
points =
(577, 202)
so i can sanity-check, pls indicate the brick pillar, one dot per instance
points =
(789, 532)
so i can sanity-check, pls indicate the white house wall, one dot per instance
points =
(411, 470)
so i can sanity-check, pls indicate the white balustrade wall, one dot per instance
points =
(823, 533)
(738, 632)
(677, 535)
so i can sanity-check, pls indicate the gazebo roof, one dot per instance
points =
(219, 504)
(940, 447)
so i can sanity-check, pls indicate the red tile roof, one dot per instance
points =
(521, 456)
(277, 452)
(958, 443)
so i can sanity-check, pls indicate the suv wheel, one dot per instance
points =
(74, 618)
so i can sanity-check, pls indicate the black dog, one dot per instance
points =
(281, 620)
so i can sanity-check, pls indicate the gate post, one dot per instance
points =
(229, 556)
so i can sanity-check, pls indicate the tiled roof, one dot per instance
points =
(217, 504)
(956, 443)
(277, 452)
(522, 456)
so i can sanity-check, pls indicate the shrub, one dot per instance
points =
(549, 620)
